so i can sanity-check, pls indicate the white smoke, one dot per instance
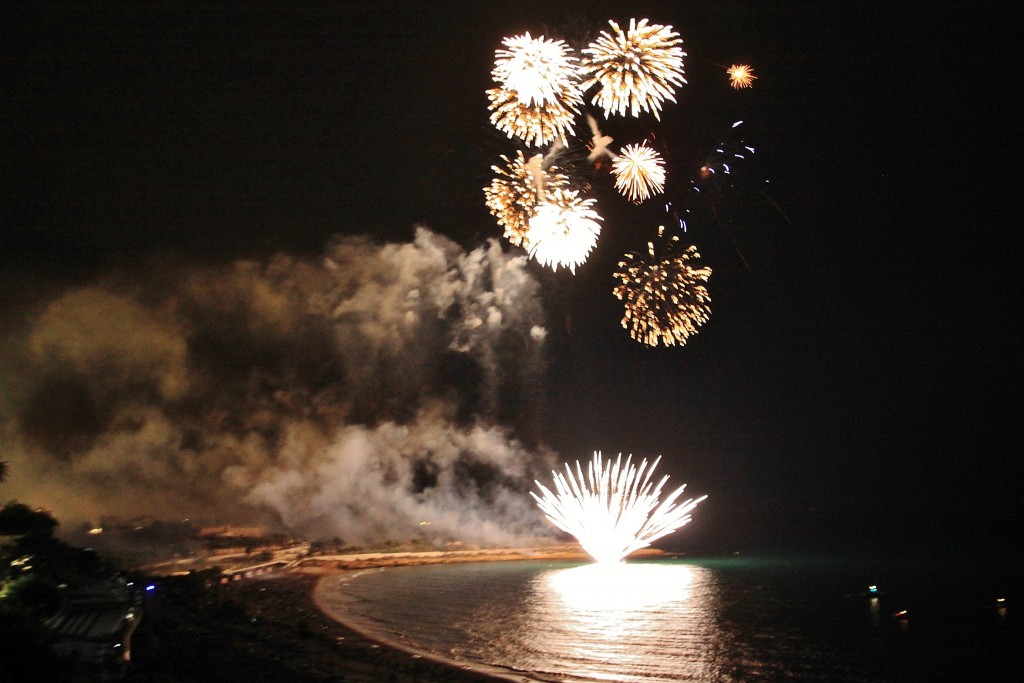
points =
(363, 394)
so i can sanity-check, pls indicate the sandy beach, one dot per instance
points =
(408, 659)
(280, 626)
(333, 569)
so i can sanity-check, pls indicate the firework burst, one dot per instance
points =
(538, 99)
(665, 298)
(538, 124)
(637, 69)
(563, 230)
(539, 71)
(741, 76)
(614, 508)
(639, 172)
(513, 196)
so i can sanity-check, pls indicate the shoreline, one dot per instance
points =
(374, 560)
(271, 629)
(336, 569)
(279, 626)
(325, 588)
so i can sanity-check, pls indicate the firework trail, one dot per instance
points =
(598, 142)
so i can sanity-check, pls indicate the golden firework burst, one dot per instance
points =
(537, 124)
(637, 69)
(639, 172)
(665, 298)
(513, 196)
(741, 76)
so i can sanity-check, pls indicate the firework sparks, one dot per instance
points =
(726, 155)
(665, 299)
(639, 172)
(741, 76)
(637, 70)
(536, 125)
(563, 230)
(539, 71)
(513, 196)
(615, 508)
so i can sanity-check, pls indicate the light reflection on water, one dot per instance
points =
(624, 621)
(621, 622)
(727, 620)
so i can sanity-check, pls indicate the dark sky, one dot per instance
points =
(861, 375)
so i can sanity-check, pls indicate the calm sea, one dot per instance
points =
(731, 619)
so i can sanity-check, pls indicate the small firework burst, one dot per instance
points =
(665, 298)
(513, 196)
(539, 71)
(637, 70)
(537, 124)
(563, 230)
(614, 508)
(741, 76)
(639, 172)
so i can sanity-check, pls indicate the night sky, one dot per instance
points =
(858, 380)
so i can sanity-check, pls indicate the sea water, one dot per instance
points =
(733, 619)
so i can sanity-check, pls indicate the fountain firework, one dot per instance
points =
(615, 508)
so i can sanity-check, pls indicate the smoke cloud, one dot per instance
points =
(360, 394)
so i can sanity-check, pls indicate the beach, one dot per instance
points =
(270, 629)
(275, 627)
(424, 664)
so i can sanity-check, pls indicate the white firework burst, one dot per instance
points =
(539, 71)
(637, 69)
(615, 508)
(563, 230)
(639, 172)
